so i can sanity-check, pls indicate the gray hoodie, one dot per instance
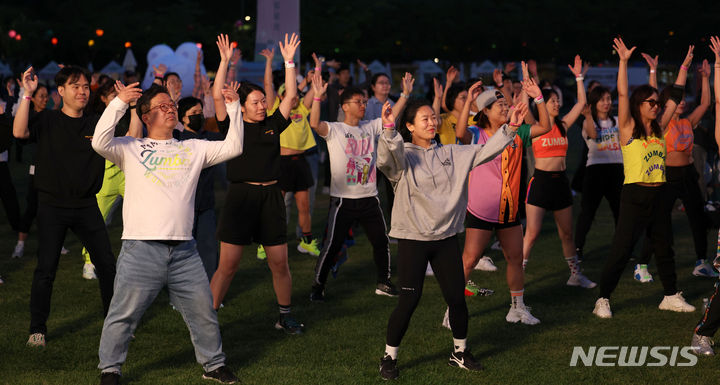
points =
(431, 184)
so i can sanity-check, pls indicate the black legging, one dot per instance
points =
(682, 182)
(600, 180)
(446, 261)
(31, 207)
(9, 197)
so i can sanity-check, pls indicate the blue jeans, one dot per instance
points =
(143, 269)
(204, 233)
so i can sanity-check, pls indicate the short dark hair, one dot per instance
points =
(452, 94)
(168, 74)
(349, 92)
(143, 104)
(71, 74)
(186, 104)
(246, 88)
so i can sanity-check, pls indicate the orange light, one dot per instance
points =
(199, 45)
(128, 44)
(99, 32)
(18, 37)
(233, 44)
(91, 43)
(54, 41)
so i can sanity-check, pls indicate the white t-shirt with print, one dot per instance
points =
(353, 154)
(606, 147)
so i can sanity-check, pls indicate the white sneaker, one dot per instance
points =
(580, 280)
(485, 264)
(676, 303)
(64, 251)
(19, 250)
(89, 271)
(428, 270)
(36, 340)
(602, 308)
(641, 274)
(521, 313)
(446, 319)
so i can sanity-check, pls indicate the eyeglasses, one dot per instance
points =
(359, 102)
(652, 102)
(165, 107)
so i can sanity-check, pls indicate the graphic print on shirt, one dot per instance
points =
(650, 163)
(607, 139)
(360, 168)
(166, 165)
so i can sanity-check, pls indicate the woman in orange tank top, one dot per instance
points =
(549, 189)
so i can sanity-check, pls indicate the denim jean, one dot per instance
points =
(143, 269)
(204, 230)
(313, 160)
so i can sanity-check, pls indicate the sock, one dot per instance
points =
(284, 309)
(391, 351)
(573, 264)
(516, 297)
(460, 344)
(525, 262)
(307, 237)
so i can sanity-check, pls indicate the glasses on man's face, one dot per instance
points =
(165, 107)
(359, 102)
(652, 102)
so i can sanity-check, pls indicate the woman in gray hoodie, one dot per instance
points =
(430, 183)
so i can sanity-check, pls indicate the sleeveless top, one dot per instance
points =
(644, 160)
(550, 144)
(679, 136)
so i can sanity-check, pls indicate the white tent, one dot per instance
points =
(425, 72)
(129, 62)
(113, 69)
(377, 67)
(49, 71)
(484, 68)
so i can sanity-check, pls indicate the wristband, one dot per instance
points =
(131, 107)
(514, 125)
(404, 95)
(501, 85)
(389, 125)
(27, 97)
(579, 78)
(682, 67)
(289, 64)
(318, 69)
(317, 99)
(539, 100)
(652, 71)
(158, 77)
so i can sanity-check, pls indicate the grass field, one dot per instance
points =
(344, 337)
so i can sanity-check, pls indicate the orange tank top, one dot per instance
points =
(679, 136)
(551, 144)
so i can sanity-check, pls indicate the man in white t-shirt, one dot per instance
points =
(352, 145)
(158, 250)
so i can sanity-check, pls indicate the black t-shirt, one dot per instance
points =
(68, 172)
(260, 160)
(5, 131)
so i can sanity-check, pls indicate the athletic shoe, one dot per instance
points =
(309, 248)
(386, 288)
(110, 378)
(289, 324)
(89, 271)
(222, 375)
(676, 303)
(429, 271)
(580, 280)
(19, 251)
(36, 340)
(472, 290)
(465, 360)
(521, 313)
(704, 269)
(642, 274)
(485, 264)
(64, 251)
(261, 253)
(602, 308)
(388, 368)
(317, 293)
(702, 345)
(446, 319)
(496, 246)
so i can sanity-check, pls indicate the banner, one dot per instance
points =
(275, 18)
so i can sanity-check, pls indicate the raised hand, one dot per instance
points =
(451, 75)
(226, 50)
(333, 64)
(525, 70)
(652, 62)
(129, 93)
(206, 85)
(532, 67)
(288, 49)
(586, 67)
(704, 69)
(387, 114)
(474, 90)
(29, 81)
(623, 52)
(509, 67)
(438, 88)
(531, 88)
(319, 87)
(497, 77)
(362, 65)
(318, 63)
(236, 56)
(715, 47)
(198, 59)
(407, 83)
(576, 68)
(517, 116)
(160, 70)
(269, 54)
(229, 92)
(689, 56)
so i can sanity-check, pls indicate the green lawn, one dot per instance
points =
(344, 337)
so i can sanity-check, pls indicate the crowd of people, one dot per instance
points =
(454, 161)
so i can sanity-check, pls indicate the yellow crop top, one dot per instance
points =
(298, 136)
(644, 160)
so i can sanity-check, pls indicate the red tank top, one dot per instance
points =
(551, 144)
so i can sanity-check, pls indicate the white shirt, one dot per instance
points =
(353, 154)
(161, 175)
(605, 148)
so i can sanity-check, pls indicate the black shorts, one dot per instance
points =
(295, 173)
(473, 222)
(253, 213)
(549, 190)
